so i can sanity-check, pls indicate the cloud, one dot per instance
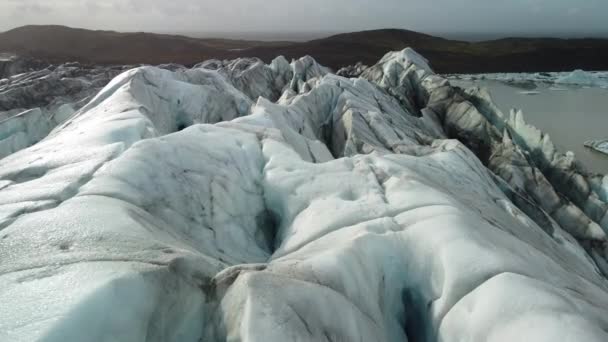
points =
(26, 7)
(433, 16)
(34, 8)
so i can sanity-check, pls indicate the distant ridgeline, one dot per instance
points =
(58, 44)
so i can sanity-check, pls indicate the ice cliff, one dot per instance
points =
(239, 201)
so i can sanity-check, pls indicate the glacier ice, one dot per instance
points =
(11, 65)
(243, 201)
(33, 103)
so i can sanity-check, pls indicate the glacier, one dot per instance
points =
(238, 200)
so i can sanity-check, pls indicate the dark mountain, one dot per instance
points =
(60, 44)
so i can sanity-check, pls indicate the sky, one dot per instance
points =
(448, 17)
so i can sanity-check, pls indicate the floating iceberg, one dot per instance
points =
(598, 145)
(531, 93)
(580, 77)
(244, 201)
(574, 78)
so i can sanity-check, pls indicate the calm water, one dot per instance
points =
(570, 116)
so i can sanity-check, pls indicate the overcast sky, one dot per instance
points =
(547, 17)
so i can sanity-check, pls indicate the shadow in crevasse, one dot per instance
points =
(415, 313)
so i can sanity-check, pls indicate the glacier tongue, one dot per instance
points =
(244, 201)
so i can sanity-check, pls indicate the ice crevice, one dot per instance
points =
(243, 201)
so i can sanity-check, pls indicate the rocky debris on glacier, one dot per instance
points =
(598, 145)
(352, 70)
(243, 201)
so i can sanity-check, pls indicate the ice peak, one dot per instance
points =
(407, 57)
